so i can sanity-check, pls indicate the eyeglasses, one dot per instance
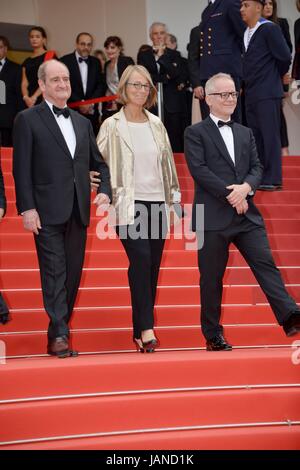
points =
(139, 86)
(225, 95)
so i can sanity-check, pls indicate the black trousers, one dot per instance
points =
(61, 250)
(251, 240)
(263, 117)
(284, 138)
(144, 242)
(237, 115)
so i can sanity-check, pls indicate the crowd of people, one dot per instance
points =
(237, 67)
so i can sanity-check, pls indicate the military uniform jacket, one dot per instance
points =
(216, 44)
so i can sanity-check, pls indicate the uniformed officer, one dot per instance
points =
(216, 46)
(266, 59)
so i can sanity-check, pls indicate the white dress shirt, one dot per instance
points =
(227, 136)
(83, 68)
(67, 129)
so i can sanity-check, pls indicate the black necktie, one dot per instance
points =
(223, 123)
(81, 59)
(1, 63)
(65, 112)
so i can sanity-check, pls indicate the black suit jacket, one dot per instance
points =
(171, 74)
(216, 44)
(46, 176)
(11, 75)
(213, 170)
(266, 60)
(95, 82)
(123, 62)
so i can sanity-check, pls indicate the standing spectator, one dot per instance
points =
(165, 66)
(10, 74)
(216, 46)
(30, 89)
(87, 81)
(135, 145)
(114, 67)
(296, 62)
(3, 307)
(270, 13)
(266, 59)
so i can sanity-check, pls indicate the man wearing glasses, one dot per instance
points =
(222, 159)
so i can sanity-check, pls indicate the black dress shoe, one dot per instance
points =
(4, 318)
(218, 343)
(59, 347)
(292, 325)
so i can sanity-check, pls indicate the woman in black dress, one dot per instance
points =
(270, 13)
(30, 89)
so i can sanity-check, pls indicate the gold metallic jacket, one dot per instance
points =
(116, 148)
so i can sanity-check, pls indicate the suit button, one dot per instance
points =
(201, 40)
(209, 44)
(201, 47)
(209, 29)
(201, 55)
(201, 33)
(209, 37)
(209, 52)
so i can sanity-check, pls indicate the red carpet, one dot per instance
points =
(182, 397)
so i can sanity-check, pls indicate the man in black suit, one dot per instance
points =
(216, 46)
(87, 80)
(54, 149)
(165, 66)
(222, 158)
(10, 75)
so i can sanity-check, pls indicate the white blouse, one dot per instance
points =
(148, 185)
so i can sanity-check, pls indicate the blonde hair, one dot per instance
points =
(122, 95)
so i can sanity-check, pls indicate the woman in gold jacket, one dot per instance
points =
(135, 145)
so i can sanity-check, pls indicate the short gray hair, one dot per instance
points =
(42, 71)
(157, 23)
(210, 84)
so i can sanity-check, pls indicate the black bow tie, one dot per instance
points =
(65, 112)
(81, 59)
(223, 123)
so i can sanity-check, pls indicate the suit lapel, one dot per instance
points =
(49, 120)
(237, 140)
(216, 137)
(89, 77)
(77, 73)
(77, 128)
